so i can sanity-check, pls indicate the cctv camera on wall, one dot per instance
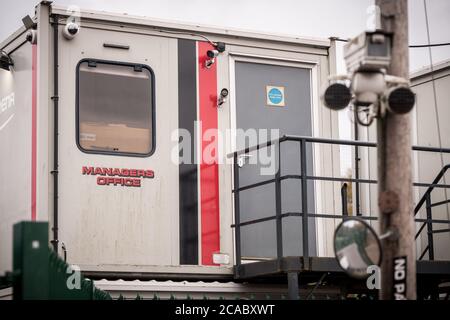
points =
(71, 30)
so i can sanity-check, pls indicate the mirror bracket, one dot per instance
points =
(390, 235)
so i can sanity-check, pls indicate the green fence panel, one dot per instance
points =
(39, 273)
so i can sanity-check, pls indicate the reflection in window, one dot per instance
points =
(115, 108)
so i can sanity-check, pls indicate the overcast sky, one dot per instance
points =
(318, 18)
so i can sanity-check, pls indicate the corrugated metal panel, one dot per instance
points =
(6, 294)
(190, 290)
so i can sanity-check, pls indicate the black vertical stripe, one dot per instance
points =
(188, 172)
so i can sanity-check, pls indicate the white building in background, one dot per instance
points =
(430, 128)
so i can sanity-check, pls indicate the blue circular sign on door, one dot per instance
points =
(275, 96)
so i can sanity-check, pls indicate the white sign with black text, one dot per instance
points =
(399, 278)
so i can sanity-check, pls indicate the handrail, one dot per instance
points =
(327, 141)
(344, 198)
(304, 177)
(426, 198)
(431, 187)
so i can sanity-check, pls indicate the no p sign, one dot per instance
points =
(399, 278)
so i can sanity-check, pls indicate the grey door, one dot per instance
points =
(273, 97)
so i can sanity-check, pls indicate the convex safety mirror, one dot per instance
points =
(356, 247)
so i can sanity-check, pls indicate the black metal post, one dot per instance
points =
(293, 286)
(237, 214)
(303, 169)
(357, 191)
(55, 99)
(279, 222)
(344, 197)
(429, 228)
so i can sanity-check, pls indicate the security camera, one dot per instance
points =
(223, 97)
(71, 30)
(29, 23)
(5, 61)
(212, 53)
(400, 99)
(336, 96)
(224, 92)
(370, 51)
(32, 36)
(367, 87)
(371, 91)
(220, 46)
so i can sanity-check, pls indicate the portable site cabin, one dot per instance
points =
(90, 123)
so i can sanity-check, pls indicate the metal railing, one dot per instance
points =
(304, 178)
(426, 199)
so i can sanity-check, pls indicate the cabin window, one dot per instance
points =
(115, 108)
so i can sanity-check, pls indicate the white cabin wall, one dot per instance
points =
(427, 123)
(74, 218)
(15, 146)
(44, 117)
(115, 227)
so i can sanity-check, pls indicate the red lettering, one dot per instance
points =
(108, 176)
(128, 182)
(141, 173)
(87, 170)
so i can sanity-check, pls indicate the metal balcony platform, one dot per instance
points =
(323, 274)
(433, 276)
(425, 268)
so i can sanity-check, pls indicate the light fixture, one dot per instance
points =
(336, 96)
(400, 99)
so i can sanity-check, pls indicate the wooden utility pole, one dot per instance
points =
(394, 170)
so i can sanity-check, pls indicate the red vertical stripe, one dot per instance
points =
(33, 130)
(209, 169)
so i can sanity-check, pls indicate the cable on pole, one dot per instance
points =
(410, 46)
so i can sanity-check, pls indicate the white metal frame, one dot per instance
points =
(313, 66)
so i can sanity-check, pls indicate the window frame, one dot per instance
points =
(77, 109)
